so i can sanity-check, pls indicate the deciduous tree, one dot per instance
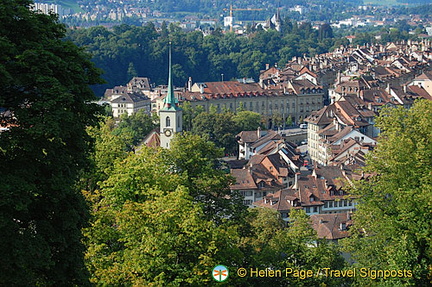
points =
(392, 225)
(46, 104)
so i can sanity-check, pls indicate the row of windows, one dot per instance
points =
(340, 203)
(247, 193)
(311, 209)
(121, 111)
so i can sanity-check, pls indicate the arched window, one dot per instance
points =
(168, 122)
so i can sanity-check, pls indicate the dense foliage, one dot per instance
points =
(167, 217)
(45, 102)
(125, 51)
(392, 229)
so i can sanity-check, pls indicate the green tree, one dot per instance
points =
(198, 160)
(46, 100)
(392, 225)
(289, 121)
(161, 218)
(219, 128)
(131, 71)
(138, 125)
(277, 245)
(189, 113)
(247, 120)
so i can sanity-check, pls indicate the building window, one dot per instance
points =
(167, 122)
(247, 193)
(315, 209)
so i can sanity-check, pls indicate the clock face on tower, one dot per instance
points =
(167, 132)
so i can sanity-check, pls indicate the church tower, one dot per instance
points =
(171, 121)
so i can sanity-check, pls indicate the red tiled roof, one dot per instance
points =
(328, 226)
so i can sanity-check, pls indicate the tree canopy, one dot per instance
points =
(127, 50)
(392, 225)
(46, 105)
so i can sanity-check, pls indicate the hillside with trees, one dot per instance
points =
(126, 51)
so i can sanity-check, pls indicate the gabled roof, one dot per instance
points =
(426, 75)
(280, 200)
(117, 90)
(304, 85)
(344, 132)
(270, 136)
(331, 226)
(321, 117)
(244, 179)
(130, 98)
(307, 71)
(139, 83)
(247, 136)
(152, 139)
(419, 91)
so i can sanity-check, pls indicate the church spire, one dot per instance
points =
(170, 101)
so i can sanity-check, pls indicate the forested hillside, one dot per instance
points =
(126, 51)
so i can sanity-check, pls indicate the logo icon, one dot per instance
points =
(220, 273)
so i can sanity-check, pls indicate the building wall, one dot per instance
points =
(170, 123)
(298, 107)
(313, 142)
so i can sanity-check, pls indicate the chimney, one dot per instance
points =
(267, 66)
(259, 132)
(404, 88)
(189, 84)
(388, 88)
(202, 89)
